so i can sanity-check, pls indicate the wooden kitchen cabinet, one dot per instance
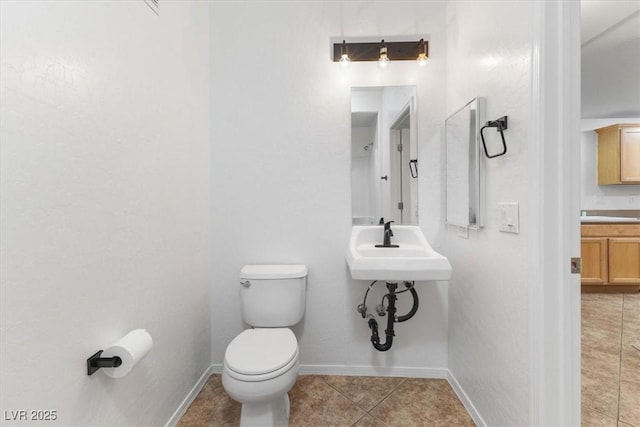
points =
(595, 260)
(610, 257)
(619, 154)
(624, 260)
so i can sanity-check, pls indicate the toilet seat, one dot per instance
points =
(261, 354)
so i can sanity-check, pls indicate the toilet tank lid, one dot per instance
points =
(273, 271)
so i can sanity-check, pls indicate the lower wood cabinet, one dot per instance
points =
(610, 257)
(624, 260)
(595, 260)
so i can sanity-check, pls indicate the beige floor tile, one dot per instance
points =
(315, 403)
(631, 320)
(600, 305)
(600, 379)
(629, 409)
(630, 364)
(212, 407)
(369, 421)
(596, 419)
(366, 392)
(602, 316)
(602, 322)
(630, 402)
(422, 402)
(604, 312)
(610, 364)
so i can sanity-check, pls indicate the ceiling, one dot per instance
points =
(610, 58)
(599, 17)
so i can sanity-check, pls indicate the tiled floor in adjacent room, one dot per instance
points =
(610, 360)
(323, 401)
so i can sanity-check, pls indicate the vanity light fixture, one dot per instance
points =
(383, 60)
(422, 56)
(382, 52)
(344, 55)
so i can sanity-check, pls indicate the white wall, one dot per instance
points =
(281, 169)
(489, 54)
(602, 197)
(610, 64)
(104, 204)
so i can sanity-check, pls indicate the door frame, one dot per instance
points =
(555, 303)
(410, 151)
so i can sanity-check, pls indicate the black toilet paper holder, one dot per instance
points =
(96, 362)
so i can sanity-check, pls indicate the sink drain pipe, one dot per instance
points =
(391, 310)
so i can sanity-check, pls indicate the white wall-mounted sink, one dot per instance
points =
(414, 259)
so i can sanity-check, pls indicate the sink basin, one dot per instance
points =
(414, 259)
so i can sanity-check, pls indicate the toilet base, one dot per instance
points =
(272, 413)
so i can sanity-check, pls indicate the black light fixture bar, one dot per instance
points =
(370, 51)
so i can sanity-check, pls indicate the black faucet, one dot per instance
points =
(386, 243)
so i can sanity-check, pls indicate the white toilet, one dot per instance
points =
(261, 364)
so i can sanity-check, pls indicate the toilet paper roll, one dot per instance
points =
(131, 349)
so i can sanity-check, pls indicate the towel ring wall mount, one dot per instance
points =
(501, 124)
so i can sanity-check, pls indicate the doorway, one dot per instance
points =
(403, 174)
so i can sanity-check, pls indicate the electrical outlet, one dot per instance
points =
(509, 217)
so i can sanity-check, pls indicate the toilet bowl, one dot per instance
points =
(261, 364)
(260, 367)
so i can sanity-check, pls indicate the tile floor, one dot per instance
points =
(610, 362)
(610, 384)
(323, 401)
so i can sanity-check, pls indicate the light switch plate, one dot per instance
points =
(509, 217)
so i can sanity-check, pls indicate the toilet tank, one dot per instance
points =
(273, 296)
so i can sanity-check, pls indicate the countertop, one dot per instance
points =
(602, 219)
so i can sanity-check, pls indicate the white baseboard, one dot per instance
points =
(189, 399)
(364, 371)
(471, 409)
(374, 371)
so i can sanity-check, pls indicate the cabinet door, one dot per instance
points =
(624, 260)
(630, 155)
(595, 257)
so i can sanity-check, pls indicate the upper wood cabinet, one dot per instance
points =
(619, 154)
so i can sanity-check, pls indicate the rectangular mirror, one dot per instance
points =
(463, 191)
(384, 155)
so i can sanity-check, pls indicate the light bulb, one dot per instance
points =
(383, 62)
(344, 56)
(344, 60)
(422, 56)
(422, 59)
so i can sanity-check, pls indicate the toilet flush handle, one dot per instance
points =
(245, 283)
